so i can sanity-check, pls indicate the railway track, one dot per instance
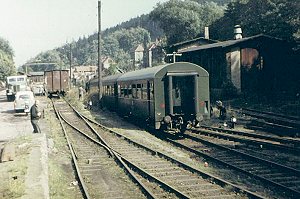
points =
(246, 160)
(267, 114)
(283, 125)
(291, 145)
(90, 160)
(162, 175)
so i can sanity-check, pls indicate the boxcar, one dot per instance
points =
(169, 97)
(56, 82)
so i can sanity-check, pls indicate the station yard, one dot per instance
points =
(42, 165)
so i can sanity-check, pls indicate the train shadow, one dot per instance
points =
(12, 111)
(127, 123)
(20, 115)
(163, 135)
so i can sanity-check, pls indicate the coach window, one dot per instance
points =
(103, 90)
(144, 91)
(110, 90)
(119, 90)
(125, 91)
(133, 91)
(107, 90)
(129, 91)
(139, 91)
(122, 91)
(151, 90)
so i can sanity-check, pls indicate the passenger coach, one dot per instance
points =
(169, 97)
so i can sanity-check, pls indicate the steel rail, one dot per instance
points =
(292, 170)
(280, 120)
(74, 157)
(114, 154)
(195, 170)
(288, 141)
(252, 140)
(273, 164)
(272, 113)
(121, 159)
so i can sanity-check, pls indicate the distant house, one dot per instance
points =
(106, 62)
(154, 54)
(36, 77)
(83, 73)
(137, 55)
(147, 56)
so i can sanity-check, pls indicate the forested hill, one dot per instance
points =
(180, 20)
(118, 42)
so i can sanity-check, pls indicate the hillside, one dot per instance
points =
(176, 21)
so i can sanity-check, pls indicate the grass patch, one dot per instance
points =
(12, 183)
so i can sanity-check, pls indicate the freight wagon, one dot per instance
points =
(56, 82)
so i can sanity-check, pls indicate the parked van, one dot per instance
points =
(23, 101)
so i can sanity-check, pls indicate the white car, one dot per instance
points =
(38, 89)
(23, 101)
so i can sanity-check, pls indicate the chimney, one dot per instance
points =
(206, 33)
(237, 32)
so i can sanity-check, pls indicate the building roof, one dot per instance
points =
(85, 68)
(228, 43)
(158, 71)
(138, 48)
(39, 73)
(209, 41)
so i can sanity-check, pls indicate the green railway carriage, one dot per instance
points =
(170, 97)
(110, 92)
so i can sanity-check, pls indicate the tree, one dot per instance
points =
(278, 18)
(130, 38)
(183, 20)
(7, 66)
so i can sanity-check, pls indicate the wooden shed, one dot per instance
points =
(259, 63)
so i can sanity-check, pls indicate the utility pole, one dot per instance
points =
(174, 54)
(99, 55)
(71, 56)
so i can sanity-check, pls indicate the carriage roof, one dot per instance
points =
(162, 70)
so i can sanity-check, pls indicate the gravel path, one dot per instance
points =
(17, 129)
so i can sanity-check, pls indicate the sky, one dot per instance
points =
(34, 26)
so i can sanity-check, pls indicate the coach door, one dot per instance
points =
(181, 94)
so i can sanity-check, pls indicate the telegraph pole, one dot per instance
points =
(99, 54)
(174, 54)
(71, 56)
